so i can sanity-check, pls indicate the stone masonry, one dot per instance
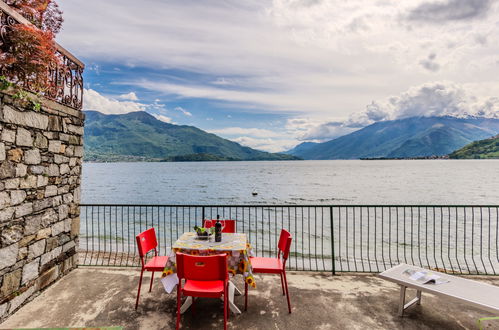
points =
(40, 168)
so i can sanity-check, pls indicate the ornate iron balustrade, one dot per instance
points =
(65, 78)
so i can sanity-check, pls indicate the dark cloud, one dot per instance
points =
(450, 10)
(429, 63)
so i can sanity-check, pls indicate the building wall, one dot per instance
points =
(40, 172)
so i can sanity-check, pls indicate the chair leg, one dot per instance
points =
(287, 290)
(282, 285)
(138, 293)
(226, 306)
(178, 306)
(152, 279)
(245, 296)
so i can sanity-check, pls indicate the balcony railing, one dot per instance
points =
(339, 238)
(65, 78)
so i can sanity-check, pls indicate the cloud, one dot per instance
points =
(254, 132)
(92, 100)
(429, 63)
(269, 145)
(185, 112)
(450, 10)
(163, 118)
(130, 97)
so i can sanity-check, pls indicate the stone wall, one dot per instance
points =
(40, 166)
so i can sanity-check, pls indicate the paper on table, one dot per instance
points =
(169, 282)
(424, 277)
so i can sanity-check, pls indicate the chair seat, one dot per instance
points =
(206, 289)
(156, 264)
(266, 265)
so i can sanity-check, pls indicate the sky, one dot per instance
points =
(273, 74)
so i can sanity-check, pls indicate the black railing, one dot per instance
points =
(339, 238)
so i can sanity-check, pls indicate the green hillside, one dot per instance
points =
(138, 136)
(483, 149)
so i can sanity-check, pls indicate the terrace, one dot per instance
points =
(98, 297)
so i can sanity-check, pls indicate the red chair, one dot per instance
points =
(146, 241)
(229, 226)
(273, 265)
(205, 276)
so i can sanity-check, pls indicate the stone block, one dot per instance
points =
(28, 182)
(67, 225)
(58, 228)
(69, 151)
(78, 151)
(41, 141)
(21, 170)
(33, 224)
(17, 197)
(27, 118)
(19, 300)
(54, 146)
(30, 271)
(42, 181)
(52, 243)
(42, 204)
(24, 209)
(63, 239)
(15, 155)
(48, 277)
(4, 199)
(77, 194)
(67, 198)
(69, 245)
(11, 282)
(49, 217)
(55, 123)
(59, 159)
(24, 138)
(44, 233)
(56, 201)
(78, 130)
(7, 214)
(8, 135)
(53, 170)
(23, 253)
(37, 169)
(3, 155)
(7, 170)
(64, 169)
(63, 190)
(36, 249)
(72, 161)
(32, 157)
(12, 183)
(26, 240)
(75, 227)
(74, 140)
(51, 255)
(63, 137)
(11, 235)
(62, 149)
(9, 256)
(50, 191)
(63, 211)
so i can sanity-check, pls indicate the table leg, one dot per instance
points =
(402, 300)
(185, 306)
(232, 306)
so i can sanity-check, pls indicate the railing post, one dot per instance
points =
(203, 215)
(332, 240)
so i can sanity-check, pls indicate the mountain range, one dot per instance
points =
(138, 136)
(403, 138)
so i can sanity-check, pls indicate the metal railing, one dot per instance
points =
(338, 238)
(65, 78)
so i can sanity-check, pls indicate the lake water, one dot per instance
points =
(294, 182)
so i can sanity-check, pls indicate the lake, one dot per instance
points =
(294, 182)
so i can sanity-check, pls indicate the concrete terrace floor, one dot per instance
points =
(98, 297)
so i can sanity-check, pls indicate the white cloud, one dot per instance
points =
(270, 145)
(92, 100)
(185, 112)
(163, 118)
(129, 97)
(254, 132)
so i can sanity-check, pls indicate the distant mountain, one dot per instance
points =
(302, 147)
(138, 136)
(483, 149)
(404, 138)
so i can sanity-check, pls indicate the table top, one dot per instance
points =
(230, 242)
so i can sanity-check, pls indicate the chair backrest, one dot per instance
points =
(146, 241)
(284, 244)
(229, 226)
(202, 268)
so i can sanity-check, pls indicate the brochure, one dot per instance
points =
(425, 277)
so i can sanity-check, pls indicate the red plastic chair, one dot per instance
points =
(273, 266)
(229, 226)
(205, 276)
(146, 241)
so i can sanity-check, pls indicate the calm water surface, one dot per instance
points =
(294, 182)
